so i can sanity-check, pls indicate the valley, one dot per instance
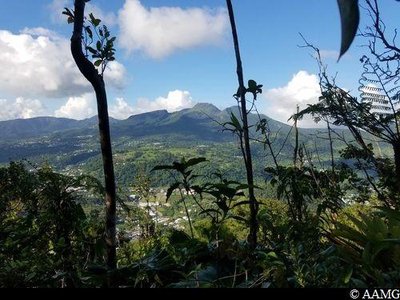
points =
(144, 141)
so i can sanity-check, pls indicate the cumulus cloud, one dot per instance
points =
(301, 90)
(20, 109)
(115, 74)
(78, 108)
(121, 109)
(38, 65)
(160, 31)
(37, 62)
(57, 7)
(176, 100)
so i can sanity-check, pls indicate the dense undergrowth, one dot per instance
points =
(47, 240)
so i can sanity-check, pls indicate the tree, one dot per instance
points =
(244, 130)
(103, 53)
(343, 109)
(382, 73)
(382, 47)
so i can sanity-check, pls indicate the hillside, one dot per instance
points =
(145, 140)
(202, 122)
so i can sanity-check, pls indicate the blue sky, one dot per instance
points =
(172, 54)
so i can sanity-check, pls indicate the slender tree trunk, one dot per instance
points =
(109, 177)
(296, 198)
(248, 159)
(331, 146)
(92, 75)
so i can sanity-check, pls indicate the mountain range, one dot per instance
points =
(143, 141)
(199, 123)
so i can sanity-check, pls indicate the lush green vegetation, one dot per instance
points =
(292, 212)
(48, 239)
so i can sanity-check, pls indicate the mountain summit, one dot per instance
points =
(206, 108)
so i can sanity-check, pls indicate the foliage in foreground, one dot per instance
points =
(47, 240)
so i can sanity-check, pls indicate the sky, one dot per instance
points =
(172, 54)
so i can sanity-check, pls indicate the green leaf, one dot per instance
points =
(70, 15)
(94, 21)
(92, 18)
(91, 50)
(348, 274)
(350, 19)
(254, 88)
(171, 189)
(272, 255)
(67, 12)
(252, 85)
(97, 63)
(98, 45)
(222, 205)
(194, 161)
(235, 122)
(89, 31)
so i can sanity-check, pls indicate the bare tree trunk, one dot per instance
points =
(247, 150)
(93, 76)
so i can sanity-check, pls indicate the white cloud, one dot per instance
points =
(301, 90)
(57, 7)
(175, 101)
(20, 109)
(39, 65)
(121, 109)
(37, 62)
(115, 74)
(39, 31)
(78, 108)
(160, 31)
(108, 18)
